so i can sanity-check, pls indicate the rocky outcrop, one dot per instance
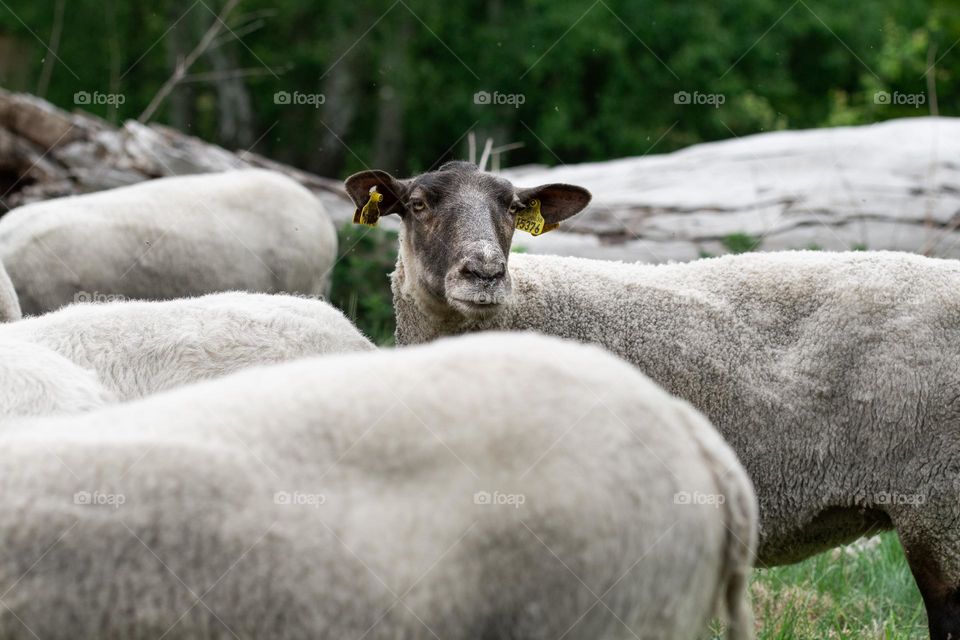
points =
(893, 185)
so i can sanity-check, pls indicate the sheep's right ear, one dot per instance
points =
(359, 184)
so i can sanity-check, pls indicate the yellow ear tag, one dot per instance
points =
(371, 211)
(531, 220)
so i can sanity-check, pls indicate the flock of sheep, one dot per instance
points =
(208, 455)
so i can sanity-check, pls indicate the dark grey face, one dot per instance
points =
(458, 224)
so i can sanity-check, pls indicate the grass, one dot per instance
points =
(860, 592)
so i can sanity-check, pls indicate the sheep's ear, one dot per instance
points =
(557, 201)
(359, 184)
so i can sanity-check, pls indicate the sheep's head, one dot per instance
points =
(458, 223)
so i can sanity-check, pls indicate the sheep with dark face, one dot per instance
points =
(834, 376)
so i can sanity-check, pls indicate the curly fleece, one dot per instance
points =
(834, 376)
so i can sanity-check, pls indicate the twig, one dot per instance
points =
(496, 152)
(184, 65)
(51, 57)
(237, 33)
(932, 79)
(472, 147)
(485, 156)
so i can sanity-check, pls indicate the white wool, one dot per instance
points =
(139, 348)
(482, 487)
(9, 305)
(250, 230)
(37, 381)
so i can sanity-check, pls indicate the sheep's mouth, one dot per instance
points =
(474, 310)
(474, 299)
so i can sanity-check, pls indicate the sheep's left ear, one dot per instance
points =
(557, 201)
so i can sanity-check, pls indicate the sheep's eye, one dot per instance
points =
(515, 208)
(418, 205)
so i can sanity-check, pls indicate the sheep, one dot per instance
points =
(491, 486)
(36, 381)
(9, 304)
(139, 348)
(834, 376)
(250, 230)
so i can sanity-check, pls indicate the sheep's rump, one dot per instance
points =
(379, 495)
(250, 230)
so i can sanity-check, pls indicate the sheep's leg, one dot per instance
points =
(938, 584)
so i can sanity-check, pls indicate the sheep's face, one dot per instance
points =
(458, 223)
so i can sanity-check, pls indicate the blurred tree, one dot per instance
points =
(402, 82)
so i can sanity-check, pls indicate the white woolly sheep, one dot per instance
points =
(250, 230)
(834, 376)
(484, 487)
(139, 348)
(9, 304)
(37, 381)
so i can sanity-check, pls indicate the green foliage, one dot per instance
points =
(361, 281)
(860, 592)
(598, 80)
(740, 243)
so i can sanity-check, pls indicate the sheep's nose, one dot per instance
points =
(488, 270)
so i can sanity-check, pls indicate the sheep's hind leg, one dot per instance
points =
(940, 593)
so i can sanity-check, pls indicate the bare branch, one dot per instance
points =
(485, 156)
(188, 61)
